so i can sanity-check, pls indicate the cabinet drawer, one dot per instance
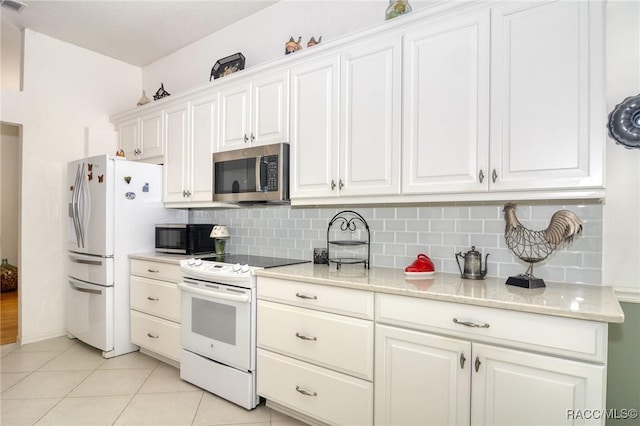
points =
(330, 397)
(156, 270)
(157, 335)
(155, 297)
(333, 341)
(541, 333)
(343, 301)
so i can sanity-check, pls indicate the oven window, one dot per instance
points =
(235, 176)
(213, 320)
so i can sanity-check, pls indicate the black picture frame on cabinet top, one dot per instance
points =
(228, 65)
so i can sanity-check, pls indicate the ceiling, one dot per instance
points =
(135, 32)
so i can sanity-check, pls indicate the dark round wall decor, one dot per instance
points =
(624, 122)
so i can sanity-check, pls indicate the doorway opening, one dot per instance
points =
(10, 160)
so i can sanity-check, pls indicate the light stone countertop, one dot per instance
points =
(587, 302)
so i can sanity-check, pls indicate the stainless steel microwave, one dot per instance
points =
(184, 238)
(252, 175)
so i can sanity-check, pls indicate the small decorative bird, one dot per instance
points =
(535, 246)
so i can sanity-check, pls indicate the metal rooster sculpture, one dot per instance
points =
(535, 246)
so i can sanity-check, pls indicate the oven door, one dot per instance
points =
(217, 322)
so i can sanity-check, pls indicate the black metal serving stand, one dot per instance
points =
(348, 223)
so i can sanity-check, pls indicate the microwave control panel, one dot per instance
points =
(272, 173)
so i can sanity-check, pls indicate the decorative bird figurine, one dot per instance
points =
(535, 246)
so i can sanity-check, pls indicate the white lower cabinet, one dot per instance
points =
(313, 363)
(155, 308)
(472, 376)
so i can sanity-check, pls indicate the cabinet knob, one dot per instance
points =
(246, 139)
(462, 361)
(340, 184)
(154, 271)
(253, 138)
(494, 176)
(153, 299)
(477, 364)
(481, 176)
(333, 184)
(153, 336)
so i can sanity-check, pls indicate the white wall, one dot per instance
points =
(621, 214)
(261, 37)
(68, 95)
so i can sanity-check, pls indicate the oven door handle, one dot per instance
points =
(242, 298)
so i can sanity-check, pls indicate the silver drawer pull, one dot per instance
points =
(153, 299)
(471, 324)
(304, 296)
(155, 271)
(304, 392)
(303, 337)
(153, 336)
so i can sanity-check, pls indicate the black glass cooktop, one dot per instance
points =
(256, 261)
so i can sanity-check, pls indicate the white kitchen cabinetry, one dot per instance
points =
(315, 351)
(255, 112)
(450, 364)
(155, 309)
(191, 136)
(346, 122)
(491, 103)
(141, 137)
(446, 105)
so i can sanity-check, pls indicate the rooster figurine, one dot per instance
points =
(535, 246)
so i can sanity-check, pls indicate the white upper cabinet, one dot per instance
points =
(141, 137)
(255, 112)
(446, 105)
(547, 102)
(314, 128)
(345, 122)
(191, 129)
(370, 130)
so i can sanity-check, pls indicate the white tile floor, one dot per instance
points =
(65, 382)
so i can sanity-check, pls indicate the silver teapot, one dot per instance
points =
(472, 264)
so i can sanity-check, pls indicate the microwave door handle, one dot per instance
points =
(261, 173)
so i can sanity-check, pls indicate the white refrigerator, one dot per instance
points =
(114, 205)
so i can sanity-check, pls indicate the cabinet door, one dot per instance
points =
(204, 131)
(511, 387)
(151, 140)
(314, 128)
(446, 105)
(270, 109)
(370, 130)
(547, 128)
(235, 110)
(177, 153)
(420, 378)
(128, 134)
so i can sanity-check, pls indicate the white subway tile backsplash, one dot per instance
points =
(398, 234)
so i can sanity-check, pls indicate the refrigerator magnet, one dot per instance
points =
(127, 179)
(145, 188)
(100, 178)
(130, 195)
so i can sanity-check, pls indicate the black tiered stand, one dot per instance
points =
(349, 221)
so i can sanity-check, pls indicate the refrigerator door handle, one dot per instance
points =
(81, 204)
(84, 261)
(74, 202)
(83, 289)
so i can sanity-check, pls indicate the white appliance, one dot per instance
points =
(218, 331)
(114, 205)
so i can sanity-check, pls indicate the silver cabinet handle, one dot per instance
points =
(494, 176)
(304, 296)
(155, 271)
(471, 324)
(153, 299)
(304, 392)
(153, 336)
(303, 337)
(481, 176)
